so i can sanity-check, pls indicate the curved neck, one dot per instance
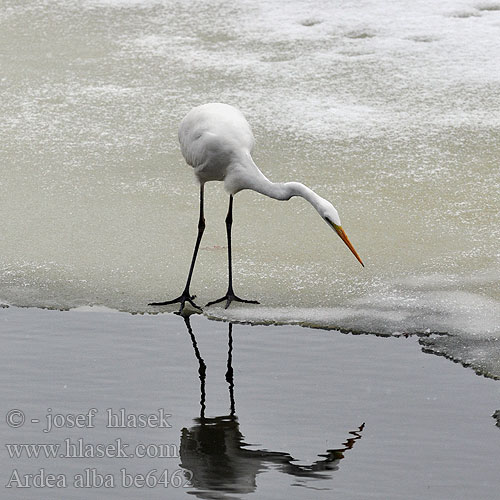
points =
(285, 191)
(246, 175)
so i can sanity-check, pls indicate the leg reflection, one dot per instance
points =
(229, 372)
(202, 370)
(214, 450)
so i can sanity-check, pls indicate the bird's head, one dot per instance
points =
(331, 216)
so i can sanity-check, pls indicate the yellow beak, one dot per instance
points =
(345, 239)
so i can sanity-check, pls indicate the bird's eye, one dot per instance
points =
(328, 220)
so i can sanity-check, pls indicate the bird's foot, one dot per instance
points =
(182, 299)
(231, 297)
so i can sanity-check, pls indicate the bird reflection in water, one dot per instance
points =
(214, 450)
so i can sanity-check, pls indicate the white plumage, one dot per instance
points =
(217, 141)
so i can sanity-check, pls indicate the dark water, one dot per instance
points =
(272, 412)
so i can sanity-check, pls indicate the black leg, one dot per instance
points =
(230, 296)
(186, 296)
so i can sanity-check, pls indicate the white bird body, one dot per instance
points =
(217, 141)
(212, 137)
(215, 138)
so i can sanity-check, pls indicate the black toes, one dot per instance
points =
(230, 297)
(182, 299)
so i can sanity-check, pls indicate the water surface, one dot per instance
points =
(256, 411)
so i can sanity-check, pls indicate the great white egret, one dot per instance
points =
(216, 140)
